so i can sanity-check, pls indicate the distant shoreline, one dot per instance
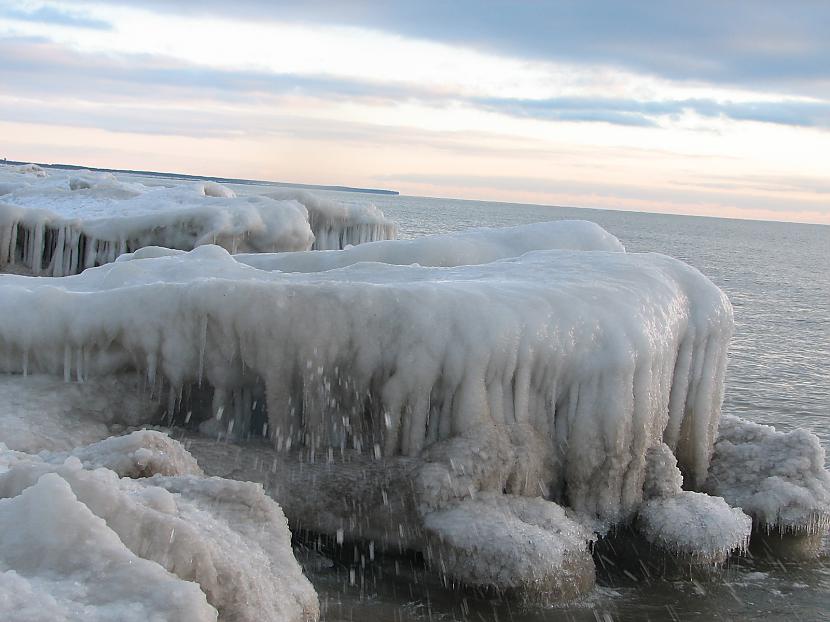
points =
(221, 180)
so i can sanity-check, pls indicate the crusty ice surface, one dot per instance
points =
(88, 543)
(778, 478)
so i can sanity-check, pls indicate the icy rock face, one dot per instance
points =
(336, 225)
(204, 545)
(778, 478)
(694, 525)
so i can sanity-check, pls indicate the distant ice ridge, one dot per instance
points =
(60, 224)
(79, 539)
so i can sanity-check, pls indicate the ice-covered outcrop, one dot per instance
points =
(63, 223)
(778, 478)
(338, 225)
(180, 547)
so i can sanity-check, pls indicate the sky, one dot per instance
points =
(711, 107)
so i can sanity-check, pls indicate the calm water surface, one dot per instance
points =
(777, 276)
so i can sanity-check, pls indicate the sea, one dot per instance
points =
(777, 276)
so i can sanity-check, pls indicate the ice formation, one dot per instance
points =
(61, 224)
(493, 398)
(603, 353)
(89, 544)
(697, 526)
(338, 225)
(778, 478)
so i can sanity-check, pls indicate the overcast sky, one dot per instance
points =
(706, 107)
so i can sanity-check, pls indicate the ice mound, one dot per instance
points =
(778, 478)
(691, 525)
(338, 225)
(203, 545)
(515, 544)
(61, 224)
(474, 247)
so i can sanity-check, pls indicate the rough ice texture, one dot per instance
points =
(778, 478)
(524, 544)
(338, 225)
(696, 525)
(46, 413)
(140, 454)
(61, 224)
(690, 524)
(601, 354)
(61, 562)
(203, 545)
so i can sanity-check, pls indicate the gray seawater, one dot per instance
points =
(777, 276)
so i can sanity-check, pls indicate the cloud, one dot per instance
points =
(746, 42)
(50, 14)
(39, 69)
(645, 113)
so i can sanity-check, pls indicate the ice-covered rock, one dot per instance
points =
(517, 545)
(527, 370)
(203, 545)
(778, 478)
(66, 222)
(694, 526)
(338, 225)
